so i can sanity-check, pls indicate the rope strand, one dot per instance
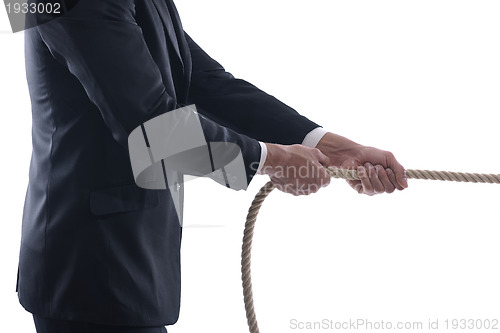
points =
(253, 211)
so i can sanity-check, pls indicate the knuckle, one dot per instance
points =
(316, 152)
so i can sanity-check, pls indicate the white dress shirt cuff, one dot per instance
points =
(263, 156)
(312, 138)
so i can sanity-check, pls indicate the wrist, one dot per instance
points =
(276, 155)
(337, 148)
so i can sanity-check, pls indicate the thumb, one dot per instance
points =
(323, 159)
(399, 171)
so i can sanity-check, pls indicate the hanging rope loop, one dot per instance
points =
(253, 211)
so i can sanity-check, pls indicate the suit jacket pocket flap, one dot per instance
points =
(122, 198)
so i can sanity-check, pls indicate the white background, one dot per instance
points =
(418, 78)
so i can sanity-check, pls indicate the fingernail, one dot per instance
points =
(405, 180)
(361, 172)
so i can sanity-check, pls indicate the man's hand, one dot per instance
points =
(378, 170)
(296, 169)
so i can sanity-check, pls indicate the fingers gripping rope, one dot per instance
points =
(335, 173)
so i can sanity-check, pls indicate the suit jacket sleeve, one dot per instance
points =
(102, 45)
(248, 110)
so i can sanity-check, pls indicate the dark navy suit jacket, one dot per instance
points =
(95, 247)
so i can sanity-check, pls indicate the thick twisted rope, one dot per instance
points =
(335, 173)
